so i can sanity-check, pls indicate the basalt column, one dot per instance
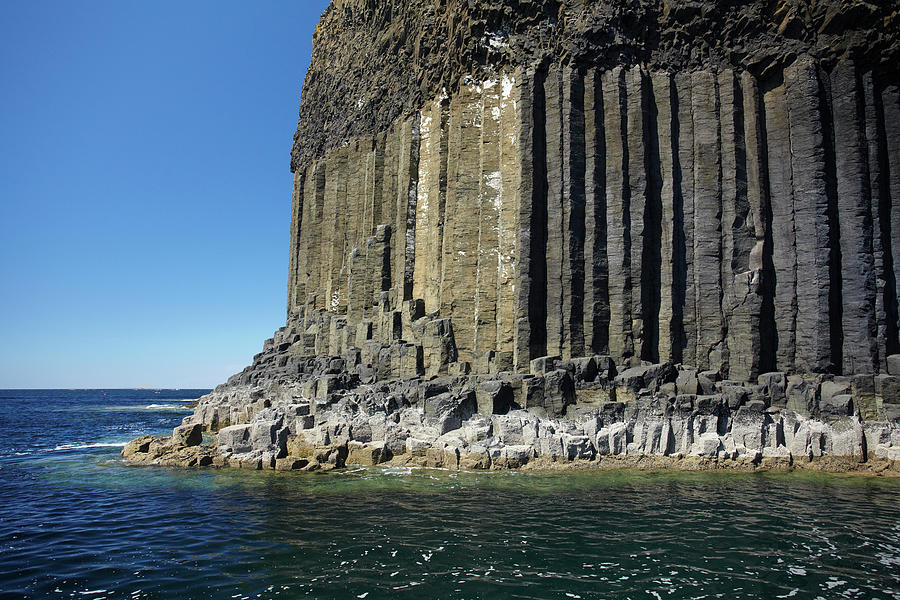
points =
(461, 229)
(508, 265)
(706, 216)
(858, 323)
(618, 222)
(596, 262)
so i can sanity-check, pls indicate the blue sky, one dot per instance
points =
(145, 186)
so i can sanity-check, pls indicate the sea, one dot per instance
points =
(77, 522)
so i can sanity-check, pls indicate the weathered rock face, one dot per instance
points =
(293, 413)
(569, 230)
(375, 60)
(706, 183)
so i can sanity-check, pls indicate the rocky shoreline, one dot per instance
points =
(564, 234)
(288, 412)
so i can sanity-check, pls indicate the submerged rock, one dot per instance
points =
(170, 452)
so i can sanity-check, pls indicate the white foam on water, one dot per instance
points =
(165, 406)
(401, 471)
(84, 446)
(352, 471)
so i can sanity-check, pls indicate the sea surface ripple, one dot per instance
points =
(76, 522)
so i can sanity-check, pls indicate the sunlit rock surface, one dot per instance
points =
(544, 233)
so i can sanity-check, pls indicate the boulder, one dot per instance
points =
(544, 365)
(416, 446)
(583, 369)
(188, 435)
(578, 447)
(366, 454)
(290, 463)
(647, 376)
(559, 392)
(494, 397)
(234, 439)
(687, 383)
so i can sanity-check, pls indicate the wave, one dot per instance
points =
(84, 446)
(165, 406)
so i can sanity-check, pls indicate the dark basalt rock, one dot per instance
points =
(583, 232)
(374, 61)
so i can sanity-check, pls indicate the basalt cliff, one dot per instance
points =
(591, 232)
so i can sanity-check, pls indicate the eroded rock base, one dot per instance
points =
(577, 413)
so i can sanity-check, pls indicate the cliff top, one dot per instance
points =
(374, 60)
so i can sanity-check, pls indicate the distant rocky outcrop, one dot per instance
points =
(534, 232)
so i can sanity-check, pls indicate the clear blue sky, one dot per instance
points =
(145, 186)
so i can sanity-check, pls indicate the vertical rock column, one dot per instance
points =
(488, 220)
(890, 204)
(880, 210)
(877, 191)
(557, 260)
(741, 301)
(573, 197)
(596, 264)
(683, 171)
(355, 259)
(530, 259)
(618, 202)
(356, 282)
(448, 242)
(294, 289)
(428, 202)
(461, 232)
(368, 190)
(707, 220)
(565, 180)
(355, 195)
(644, 219)
(404, 230)
(670, 221)
(811, 218)
(781, 196)
(860, 353)
(389, 196)
(309, 267)
(510, 173)
(431, 204)
(755, 326)
(334, 228)
(373, 184)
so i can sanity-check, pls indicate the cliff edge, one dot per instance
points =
(569, 232)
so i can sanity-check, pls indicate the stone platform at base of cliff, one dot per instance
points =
(481, 186)
(287, 412)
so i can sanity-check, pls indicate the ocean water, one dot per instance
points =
(76, 522)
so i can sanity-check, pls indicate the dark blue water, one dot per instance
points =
(75, 522)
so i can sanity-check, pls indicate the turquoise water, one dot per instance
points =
(75, 522)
